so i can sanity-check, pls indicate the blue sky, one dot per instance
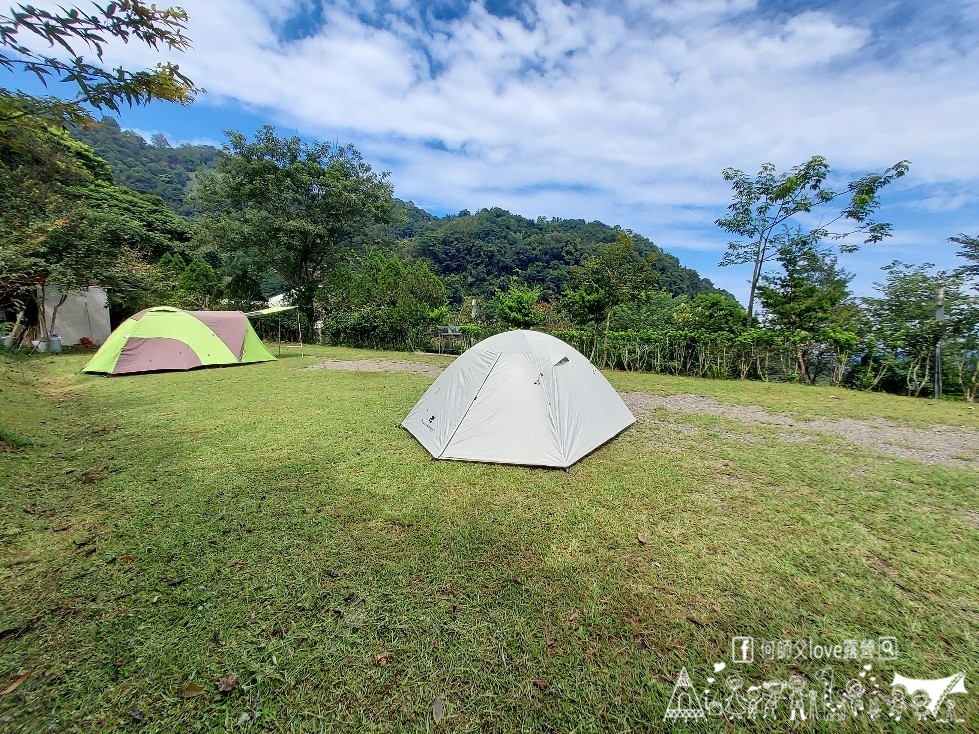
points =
(624, 111)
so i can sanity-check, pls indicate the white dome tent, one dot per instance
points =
(520, 397)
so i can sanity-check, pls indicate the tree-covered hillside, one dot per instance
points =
(157, 168)
(475, 254)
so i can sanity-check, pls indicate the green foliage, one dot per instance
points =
(479, 254)
(63, 220)
(613, 274)
(765, 213)
(199, 285)
(515, 307)
(381, 302)
(71, 30)
(905, 329)
(649, 309)
(295, 208)
(806, 304)
(970, 252)
(159, 169)
(474, 254)
(240, 283)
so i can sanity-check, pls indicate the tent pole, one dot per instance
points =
(299, 324)
(280, 337)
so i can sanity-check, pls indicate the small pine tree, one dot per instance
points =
(199, 284)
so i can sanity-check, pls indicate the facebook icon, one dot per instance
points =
(743, 649)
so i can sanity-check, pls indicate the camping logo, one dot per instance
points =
(826, 698)
(684, 703)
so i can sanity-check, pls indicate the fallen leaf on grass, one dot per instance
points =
(383, 658)
(352, 598)
(575, 616)
(190, 690)
(438, 710)
(127, 558)
(332, 573)
(541, 684)
(228, 683)
(237, 564)
(136, 714)
(642, 540)
(15, 684)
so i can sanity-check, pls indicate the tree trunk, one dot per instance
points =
(802, 366)
(54, 313)
(755, 275)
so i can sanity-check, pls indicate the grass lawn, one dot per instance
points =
(163, 532)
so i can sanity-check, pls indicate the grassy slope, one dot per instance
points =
(281, 527)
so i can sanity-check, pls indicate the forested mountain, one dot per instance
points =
(156, 168)
(475, 254)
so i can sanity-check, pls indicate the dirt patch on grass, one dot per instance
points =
(377, 365)
(944, 445)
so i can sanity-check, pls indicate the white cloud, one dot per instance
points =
(643, 104)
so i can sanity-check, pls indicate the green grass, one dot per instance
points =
(276, 524)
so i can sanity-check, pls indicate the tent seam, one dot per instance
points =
(550, 413)
(469, 407)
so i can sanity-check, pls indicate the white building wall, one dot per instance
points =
(84, 313)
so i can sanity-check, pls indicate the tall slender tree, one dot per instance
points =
(767, 213)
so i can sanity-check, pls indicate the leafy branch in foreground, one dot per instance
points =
(67, 34)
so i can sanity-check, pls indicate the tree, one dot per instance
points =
(807, 304)
(515, 307)
(149, 169)
(381, 301)
(969, 251)
(199, 285)
(608, 277)
(63, 220)
(75, 31)
(906, 330)
(716, 313)
(297, 208)
(646, 310)
(766, 209)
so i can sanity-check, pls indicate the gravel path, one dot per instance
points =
(378, 365)
(944, 445)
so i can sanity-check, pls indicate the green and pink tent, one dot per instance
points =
(164, 339)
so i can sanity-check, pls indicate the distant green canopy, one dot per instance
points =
(164, 339)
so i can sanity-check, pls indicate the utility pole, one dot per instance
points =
(939, 317)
